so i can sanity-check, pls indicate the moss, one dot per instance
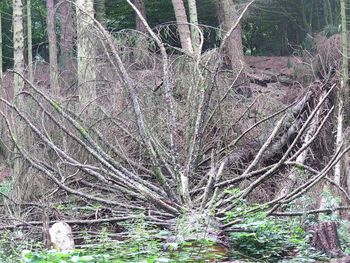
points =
(299, 168)
(56, 105)
(159, 175)
(82, 131)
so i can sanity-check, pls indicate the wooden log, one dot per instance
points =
(263, 77)
(325, 239)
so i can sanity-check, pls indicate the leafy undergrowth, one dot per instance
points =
(148, 252)
(266, 239)
(272, 240)
(260, 239)
(144, 244)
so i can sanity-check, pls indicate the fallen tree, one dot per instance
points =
(150, 157)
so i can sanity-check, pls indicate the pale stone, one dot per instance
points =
(61, 236)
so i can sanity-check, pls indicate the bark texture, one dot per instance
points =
(86, 52)
(29, 40)
(182, 24)
(67, 70)
(342, 100)
(18, 44)
(227, 15)
(50, 4)
(140, 5)
(325, 239)
(0, 48)
(193, 14)
(20, 178)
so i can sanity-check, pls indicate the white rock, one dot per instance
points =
(61, 237)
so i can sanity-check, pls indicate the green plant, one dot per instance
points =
(11, 246)
(5, 188)
(144, 244)
(265, 239)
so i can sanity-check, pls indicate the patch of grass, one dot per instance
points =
(149, 251)
(265, 239)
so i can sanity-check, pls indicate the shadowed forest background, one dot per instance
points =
(174, 131)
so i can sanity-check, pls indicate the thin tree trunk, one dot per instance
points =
(50, 4)
(29, 40)
(18, 57)
(86, 52)
(342, 96)
(140, 5)
(182, 24)
(345, 62)
(227, 15)
(343, 113)
(18, 44)
(0, 49)
(195, 36)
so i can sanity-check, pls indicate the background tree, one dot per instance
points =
(100, 7)
(29, 40)
(343, 97)
(85, 51)
(51, 26)
(183, 25)
(66, 45)
(193, 15)
(18, 44)
(227, 14)
(18, 85)
(140, 5)
(1, 60)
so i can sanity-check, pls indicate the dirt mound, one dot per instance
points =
(277, 65)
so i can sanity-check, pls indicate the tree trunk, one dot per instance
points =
(18, 44)
(100, 6)
(0, 49)
(50, 4)
(195, 36)
(227, 15)
(19, 130)
(182, 24)
(325, 239)
(343, 112)
(140, 5)
(86, 52)
(66, 44)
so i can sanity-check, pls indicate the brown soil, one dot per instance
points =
(277, 65)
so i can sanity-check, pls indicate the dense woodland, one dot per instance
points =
(174, 131)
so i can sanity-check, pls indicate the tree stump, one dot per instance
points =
(61, 237)
(325, 239)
